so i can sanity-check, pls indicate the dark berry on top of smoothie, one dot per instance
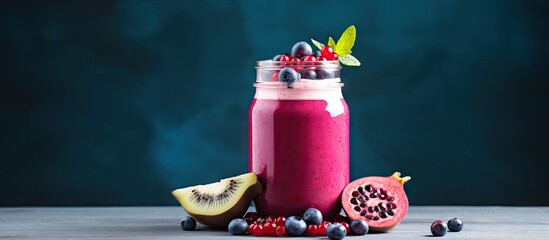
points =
(301, 49)
(316, 53)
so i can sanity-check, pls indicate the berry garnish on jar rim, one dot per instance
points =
(342, 49)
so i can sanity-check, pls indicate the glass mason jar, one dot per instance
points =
(299, 139)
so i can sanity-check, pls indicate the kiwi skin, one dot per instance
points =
(221, 221)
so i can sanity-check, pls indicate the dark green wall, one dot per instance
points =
(118, 102)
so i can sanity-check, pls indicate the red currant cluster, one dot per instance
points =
(274, 226)
(309, 58)
(326, 54)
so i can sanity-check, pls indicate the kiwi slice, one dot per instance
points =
(216, 204)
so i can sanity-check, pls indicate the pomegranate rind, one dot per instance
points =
(393, 185)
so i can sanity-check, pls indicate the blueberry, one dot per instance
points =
(288, 75)
(312, 216)
(277, 57)
(336, 231)
(188, 223)
(359, 227)
(238, 226)
(324, 74)
(295, 226)
(301, 49)
(307, 74)
(317, 53)
(455, 225)
(439, 228)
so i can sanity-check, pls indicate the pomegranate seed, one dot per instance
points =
(322, 228)
(312, 230)
(309, 58)
(280, 231)
(270, 218)
(258, 230)
(280, 221)
(346, 225)
(285, 58)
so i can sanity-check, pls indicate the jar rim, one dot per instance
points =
(300, 85)
(270, 64)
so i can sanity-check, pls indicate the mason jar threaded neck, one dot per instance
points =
(318, 73)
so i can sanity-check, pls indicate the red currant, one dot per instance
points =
(309, 58)
(274, 78)
(285, 58)
(321, 58)
(251, 228)
(258, 230)
(295, 60)
(260, 220)
(270, 218)
(280, 221)
(312, 230)
(280, 231)
(322, 228)
(269, 228)
(328, 53)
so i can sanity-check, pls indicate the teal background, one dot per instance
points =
(119, 102)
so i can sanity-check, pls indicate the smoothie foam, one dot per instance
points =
(301, 91)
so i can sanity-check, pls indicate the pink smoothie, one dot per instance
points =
(299, 149)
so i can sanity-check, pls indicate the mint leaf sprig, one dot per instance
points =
(343, 46)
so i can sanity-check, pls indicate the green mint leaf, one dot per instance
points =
(343, 46)
(317, 44)
(346, 41)
(331, 43)
(343, 52)
(349, 60)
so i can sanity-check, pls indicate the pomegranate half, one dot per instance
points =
(380, 201)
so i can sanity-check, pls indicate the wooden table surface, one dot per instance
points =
(163, 223)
